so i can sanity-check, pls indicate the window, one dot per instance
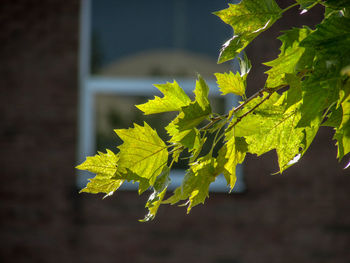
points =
(126, 46)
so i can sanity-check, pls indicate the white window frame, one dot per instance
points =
(90, 86)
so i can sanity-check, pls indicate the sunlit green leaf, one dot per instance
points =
(101, 184)
(289, 57)
(201, 92)
(249, 18)
(142, 152)
(273, 126)
(104, 164)
(159, 189)
(342, 134)
(195, 186)
(230, 83)
(189, 138)
(183, 128)
(232, 153)
(174, 98)
(294, 94)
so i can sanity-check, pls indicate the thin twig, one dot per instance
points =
(289, 7)
(250, 111)
(260, 92)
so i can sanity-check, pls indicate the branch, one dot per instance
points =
(228, 115)
(250, 111)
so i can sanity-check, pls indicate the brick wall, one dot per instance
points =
(301, 216)
(38, 100)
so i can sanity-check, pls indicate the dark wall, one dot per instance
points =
(38, 113)
(301, 216)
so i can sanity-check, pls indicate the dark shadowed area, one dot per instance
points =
(301, 216)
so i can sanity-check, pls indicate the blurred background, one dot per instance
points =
(70, 72)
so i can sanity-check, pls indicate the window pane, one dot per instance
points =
(173, 38)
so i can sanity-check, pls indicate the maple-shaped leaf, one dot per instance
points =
(101, 184)
(318, 93)
(189, 138)
(143, 152)
(289, 57)
(230, 83)
(249, 18)
(159, 189)
(332, 35)
(232, 153)
(275, 128)
(334, 117)
(183, 128)
(195, 112)
(191, 116)
(251, 123)
(174, 98)
(104, 164)
(195, 185)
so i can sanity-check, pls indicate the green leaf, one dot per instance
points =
(142, 152)
(344, 92)
(104, 164)
(342, 134)
(332, 35)
(289, 57)
(195, 186)
(334, 118)
(127, 174)
(230, 83)
(272, 126)
(198, 110)
(159, 189)
(248, 18)
(101, 184)
(232, 153)
(190, 138)
(345, 70)
(231, 48)
(183, 128)
(310, 133)
(201, 94)
(244, 65)
(283, 137)
(294, 94)
(255, 123)
(337, 4)
(318, 92)
(191, 116)
(174, 98)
